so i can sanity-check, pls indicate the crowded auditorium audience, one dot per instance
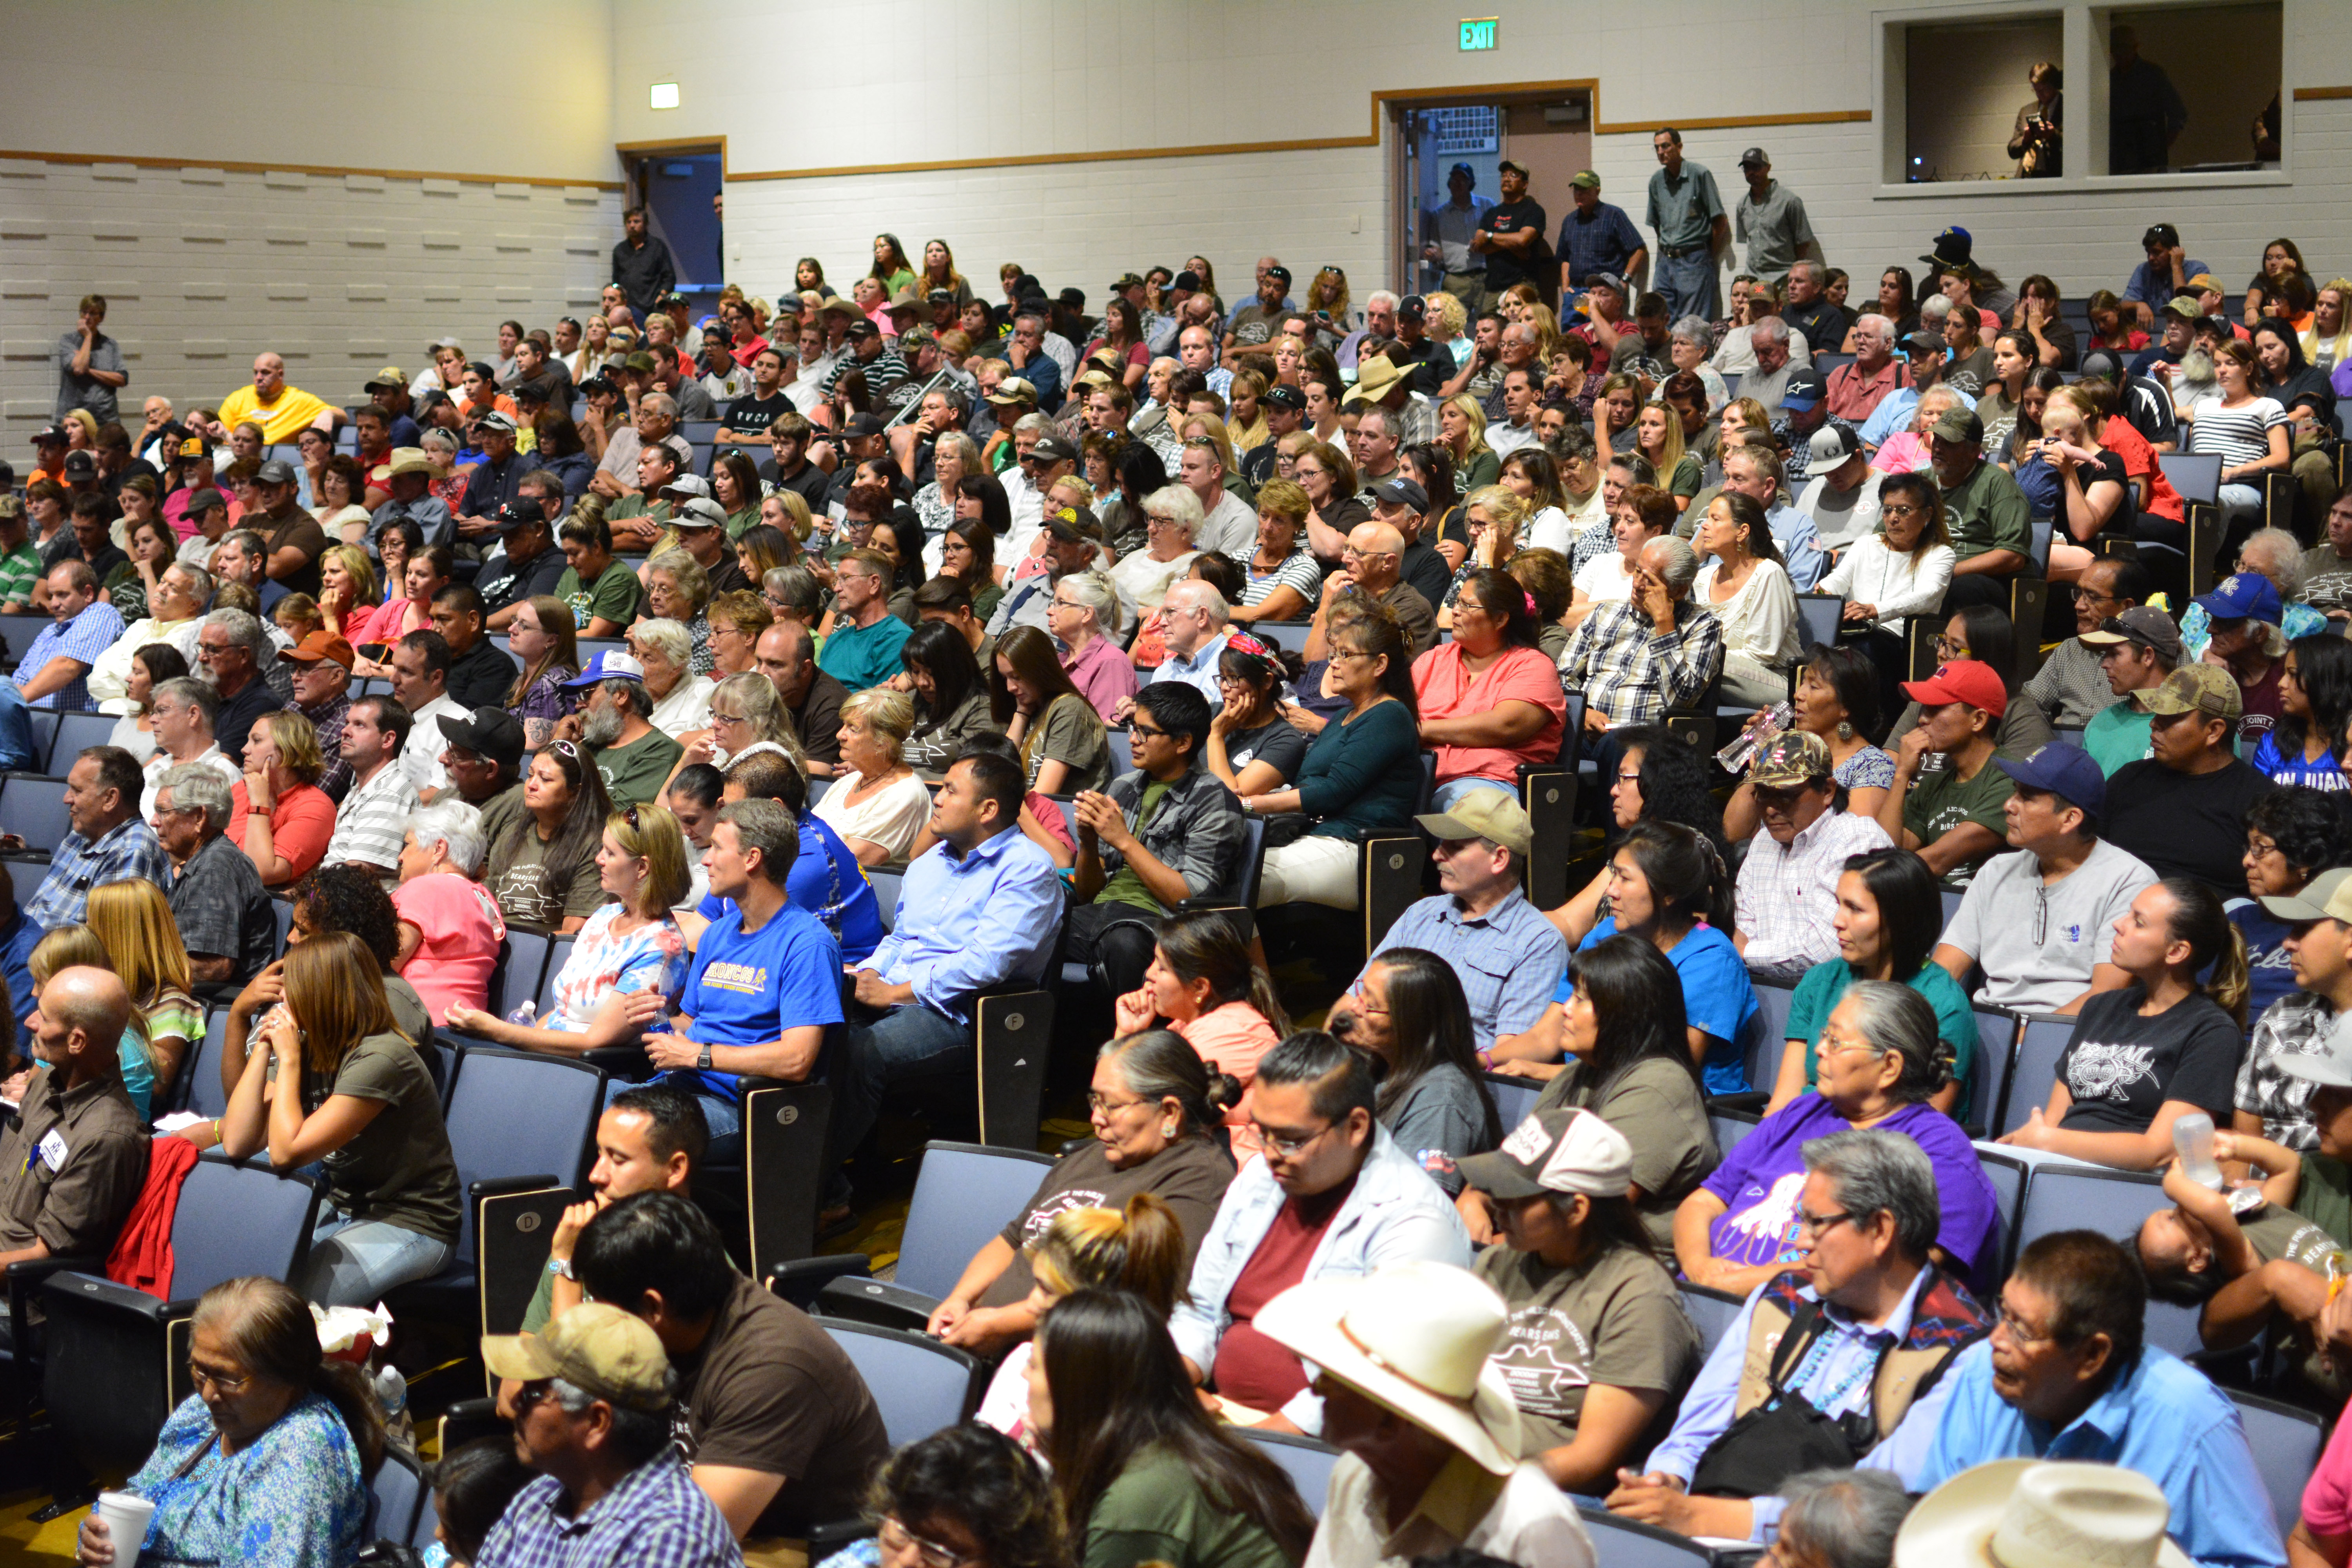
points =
(1605, 855)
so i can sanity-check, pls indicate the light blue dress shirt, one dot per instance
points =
(1800, 546)
(966, 923)
(1200, 671)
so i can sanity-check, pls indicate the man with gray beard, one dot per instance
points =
(632, 757)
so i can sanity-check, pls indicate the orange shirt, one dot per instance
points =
(1447, 689)
(301, 824)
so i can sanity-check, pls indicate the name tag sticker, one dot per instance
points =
(52, 1151)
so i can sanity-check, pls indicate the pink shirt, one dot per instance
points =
(381, 625)
(1232, 1039)
(460, 929)
(1103, 674)
(2327, 1499)
(1443, 681)
(1905, 452)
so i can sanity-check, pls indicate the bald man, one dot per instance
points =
(283, 412)
(72, 1165)
(1371, 564)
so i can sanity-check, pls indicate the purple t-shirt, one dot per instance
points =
(1759, 1181)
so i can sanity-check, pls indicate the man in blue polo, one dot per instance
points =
(54, 671)
(1596, 238)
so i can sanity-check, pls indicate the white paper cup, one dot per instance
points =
(126, 1517)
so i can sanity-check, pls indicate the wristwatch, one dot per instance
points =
(703, 1061)
(560, 1268)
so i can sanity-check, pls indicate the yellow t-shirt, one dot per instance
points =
(294, 412)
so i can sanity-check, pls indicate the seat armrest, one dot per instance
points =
(803, 1279)
(620, 1061)
(878, 1301)
(1746, 1100)
(507, 1187)
(74, 1290)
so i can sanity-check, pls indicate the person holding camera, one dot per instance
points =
(2038, 141)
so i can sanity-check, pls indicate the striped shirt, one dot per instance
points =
(1631, 673)
(81, 639)
(373, 821)
(1298, 571)
(2239, 436)
(883, 372)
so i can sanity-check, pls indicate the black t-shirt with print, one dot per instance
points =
(2121, 1067)
(1504, 267)
(748, 416)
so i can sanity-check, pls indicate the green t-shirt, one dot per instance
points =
(1955, 1021)
(19, 570)
(2325, 1195)
(1941, 801)
(633, 773)
(2117, 735)
(1124, 886)
(1988, 511)
(616, 595)
(1156, 1512)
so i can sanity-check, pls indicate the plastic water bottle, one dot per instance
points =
(391, 1392)
(2192, 1139)
(524, 1014)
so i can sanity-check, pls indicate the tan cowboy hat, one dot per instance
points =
(2036, 1514)
(1417, 1337)
(405, 460)
(1374, 376)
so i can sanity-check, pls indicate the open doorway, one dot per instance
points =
(681, 187)
(1551, 132)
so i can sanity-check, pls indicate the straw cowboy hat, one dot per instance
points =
(2036, 1513)
(1417, 1338)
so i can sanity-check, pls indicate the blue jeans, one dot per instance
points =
(907, 1045)
(1450, 793)
(722, 1113)
(1687, 282)
(355, 1263)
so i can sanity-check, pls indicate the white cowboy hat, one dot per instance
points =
(1417, 1337)
(2036, 1514)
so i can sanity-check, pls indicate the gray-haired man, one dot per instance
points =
(217, 899)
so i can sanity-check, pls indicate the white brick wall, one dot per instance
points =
(341, 274)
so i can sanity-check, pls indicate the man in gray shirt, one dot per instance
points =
(89, 365)
(1771, 221)
(1687, 215)
(2039, 922)
(2072, 685)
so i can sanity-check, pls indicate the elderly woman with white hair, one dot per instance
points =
(681, 697)
(678, 589)
(1171, 518)
(450, 926)
(1083, 618)
(1688, 342)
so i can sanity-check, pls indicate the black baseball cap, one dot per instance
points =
(1188, 281)
(519, 514)
(490, 733)
(1280, 274)
(863, 425)
(1288, 397)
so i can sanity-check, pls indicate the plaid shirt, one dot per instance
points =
(1511, 959)
(126, 853)
(656, 1515)
(83, 638)
(1631, 673)
(1788, 892)
(329, 722)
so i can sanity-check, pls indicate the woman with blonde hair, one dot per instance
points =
(1244, 416)
(350, 1091)
(347, 596)
(1658, 437)
(78, 947)
(287, 818)
(787, 511)
(2327, 341)
(746, 715)
(736, 620)
(542, 637)
(630, 946)
(939, 271)
(1462, 431)
(1493, 515)
(876, 804)
(132, 921)
(1195, 426)
(678, 589)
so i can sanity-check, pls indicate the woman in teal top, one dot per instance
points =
(1144, 1473)
(1669, 887)
(1362, 769)
(1888, 919)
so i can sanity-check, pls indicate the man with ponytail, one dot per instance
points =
(2163, 1046)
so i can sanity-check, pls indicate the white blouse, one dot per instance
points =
(1898, 585)
(1759, 621)
(686, 708)
(1606, 577)
(891, 816)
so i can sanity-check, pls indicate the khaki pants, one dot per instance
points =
(1470, 288)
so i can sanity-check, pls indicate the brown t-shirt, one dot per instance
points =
(399, 1168)
(769, 1391)
(1616, 1321)
(818, 718)
(71, 1166)
(528, 892)
(301, 532)
(1658, 1107)
(1189, 1177)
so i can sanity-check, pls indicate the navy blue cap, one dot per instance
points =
(2067, 771)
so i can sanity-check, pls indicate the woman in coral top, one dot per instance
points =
(1203, 986)
(1489, 699)
(450, 926)
(281, 818)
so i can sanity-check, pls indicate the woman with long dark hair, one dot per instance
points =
(891, 268)
(1837, 699)
(2307, 744)
(1408, 1009)
(950, 698)
(1210, 992)
(1747, 585)
(1136, 1457)
(1489, 699)
(1141, 473)
(543, 871)
(1065, 746)
(1887, 921)
(1668, 885)
(980, 498)
(1659, 779)
(1122, 334)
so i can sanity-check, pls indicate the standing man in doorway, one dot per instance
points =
(1445, 234)
(1687, 215)
(642, 269)
(1511, 237)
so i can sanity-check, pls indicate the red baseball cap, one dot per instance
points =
(1968, 681)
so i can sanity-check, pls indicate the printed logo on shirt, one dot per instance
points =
(1055, 1207)
(1547, 1360)
(2107, 1072)
(1766, 1230)
(745, 979)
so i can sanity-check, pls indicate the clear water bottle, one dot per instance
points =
(391, 1392)
(2192, 1139)
(524, 1014)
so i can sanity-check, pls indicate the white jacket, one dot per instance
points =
(1898, 585)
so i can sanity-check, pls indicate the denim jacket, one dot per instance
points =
(1196, 833)
(1395, 1214)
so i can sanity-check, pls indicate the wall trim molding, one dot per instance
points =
(331, 172)
(2308, 94)
(1381, 100)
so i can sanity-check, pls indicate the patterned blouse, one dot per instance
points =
(542, 705)
(293, 1498)
(604, 961)
(1868, 768)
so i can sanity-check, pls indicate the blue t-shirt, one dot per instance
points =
(747, 990)
(864, 656)
(829, 882)
(1717, 997)
(2326, 774)
(2269, 970)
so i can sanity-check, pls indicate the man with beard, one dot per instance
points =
(630, 755)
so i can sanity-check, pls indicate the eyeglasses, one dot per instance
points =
(1813, 1224)
(1144, 732)
(1095, 1100)
(2018, 1331)
(1363, 1003)
(895, 1537)
(220, 1384)
(1287, 1145)
(1947, 648)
